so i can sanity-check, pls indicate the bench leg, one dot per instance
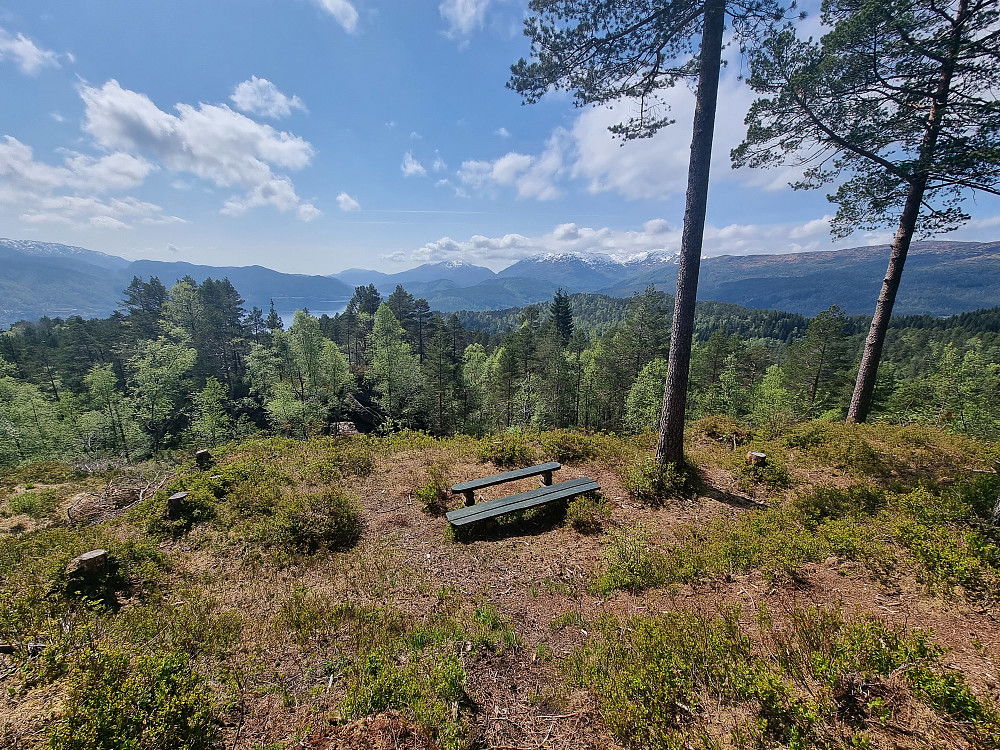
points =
(470, 498)
(546, 478)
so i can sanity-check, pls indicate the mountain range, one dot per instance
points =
(941, 278)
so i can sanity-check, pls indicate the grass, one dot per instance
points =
(299, 586)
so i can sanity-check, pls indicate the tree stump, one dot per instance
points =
(89, 564)
(175, 503)
(204, 459)
(755, 458)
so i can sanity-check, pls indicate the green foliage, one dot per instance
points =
(37, 503)
(644, 402)
(652, 482)
(568, 445)
(435, 494)
(122, 701)
(630, 563)
(507, 449)
(588, 514)
(659, 679)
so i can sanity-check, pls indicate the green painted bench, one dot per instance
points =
(547, 493)
(469, 488)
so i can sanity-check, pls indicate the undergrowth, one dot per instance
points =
(822, 679)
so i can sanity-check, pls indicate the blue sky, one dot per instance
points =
(311, 136)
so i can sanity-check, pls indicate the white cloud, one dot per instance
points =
(344, 13)
(397, 257)
(503, 132)
(531, 176)
(439, 163)
(648, 168)
(656, 235)
(278, 193)
(261, 97)
(463, 16)
(347, 203)
(68, 193)
(210, 141)
(28, 56)
(83, 211)
(411, 167)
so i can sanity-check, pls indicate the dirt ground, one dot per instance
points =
(536, 573)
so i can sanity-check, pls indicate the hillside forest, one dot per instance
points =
(188, 366)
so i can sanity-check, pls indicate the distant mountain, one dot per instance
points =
(257, 285)
(941, 278)
(33, 285)
(455, 271)
(492, 294)
(52, 250)
(40, 279)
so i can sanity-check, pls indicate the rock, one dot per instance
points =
(755, 458)
(93, 563)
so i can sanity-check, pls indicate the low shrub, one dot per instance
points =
(127, 701)
(46, 472)
(819, 680)
(507, 449)
(435, 494)
(630, 563)
(588, 513)
(723, 429)
(568, 445)
(651, 482)
(35, 503)
(308, 523)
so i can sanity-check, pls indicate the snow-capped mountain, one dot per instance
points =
(588, 271)
(55, 250)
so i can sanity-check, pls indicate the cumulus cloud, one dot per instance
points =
(28, 56)
(343, 12)
(656, 235)
(397, 257)
(503, 132)
(83, 211)
(411, 167)
(648, 168)
(70, 193)
(463, 16)
(210, 141)
(531, 176)
(261, 97)
(347, 203)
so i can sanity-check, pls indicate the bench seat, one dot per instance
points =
(468, 488)
(522, 500)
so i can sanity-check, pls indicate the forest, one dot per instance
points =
(188, 366)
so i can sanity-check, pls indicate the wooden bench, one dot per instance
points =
(547, 493)
(469, 488)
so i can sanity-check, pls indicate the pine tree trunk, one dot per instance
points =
(670, 446)
(864, 387)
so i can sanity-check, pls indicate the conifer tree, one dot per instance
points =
(898, 103)
(607, 50)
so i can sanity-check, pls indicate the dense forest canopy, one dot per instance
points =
(189, 366)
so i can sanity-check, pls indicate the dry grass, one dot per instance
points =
(276, 633)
